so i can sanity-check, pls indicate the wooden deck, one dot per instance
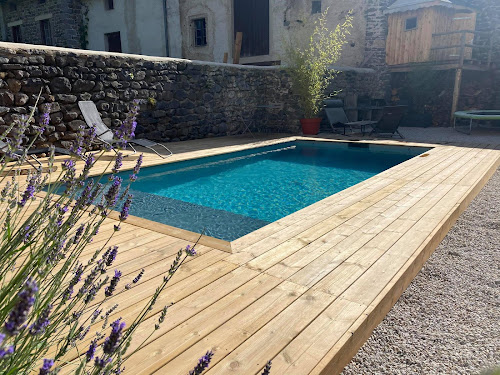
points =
(305, 291)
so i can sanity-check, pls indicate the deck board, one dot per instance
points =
(305, 291)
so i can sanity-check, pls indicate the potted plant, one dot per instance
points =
(309, 66)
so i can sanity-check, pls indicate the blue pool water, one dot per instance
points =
(234, 194)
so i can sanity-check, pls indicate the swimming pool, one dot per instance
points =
(230, 195)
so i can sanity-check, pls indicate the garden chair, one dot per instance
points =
(390, 120)
(337, 117)
(32, 154)
(18, 153)
(106, 136)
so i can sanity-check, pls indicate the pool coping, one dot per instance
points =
(232, 246)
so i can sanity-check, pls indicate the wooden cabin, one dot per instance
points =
(423, 31)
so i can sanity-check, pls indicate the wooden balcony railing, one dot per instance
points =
(461, 49)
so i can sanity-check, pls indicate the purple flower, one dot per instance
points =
(138, 277)
(19, 314)
(4, 352)
(113, 191)
(126, 208)
(127, 129)
(2, 337)
(101, 363)
(118, 163)
(47, 365)
(113, 341)
(91, 352)
(75, 280)
(203, 364)
(78, 233)
(137, 168)
(190, 250)
(44, 119)
(267, 369)
(110, 255)
(112, 284)
(42, 322)
(30, 191)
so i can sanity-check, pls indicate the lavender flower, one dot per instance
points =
(75, 280)
(113, 341)
(203, 364)
(30, 191)
(126, 208)
(118, 163)
(19, 314)
(47, 365)
(161, 319)
(4, 352)
(110, 255)
(113, 283)
(113, 191)
(91, 352)
(127, 129)
(137, 168)
(190, 250)
(78, 233)
(267, 369)
(138, 277)
(44, 119)
(42, 322)
(101, 362)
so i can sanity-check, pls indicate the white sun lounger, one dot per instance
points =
(106, 135)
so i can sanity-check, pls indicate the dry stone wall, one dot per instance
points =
(180, 99)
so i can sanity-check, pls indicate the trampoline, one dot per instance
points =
(479, 115)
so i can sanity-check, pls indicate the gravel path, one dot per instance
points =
(448, 320)
(450, 135)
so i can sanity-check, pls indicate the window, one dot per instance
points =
(411, 23)
(46, 32)
(251, 17)
(16, 34)
(114, 42)
(316, 7)
(109, 4)
(200, 32)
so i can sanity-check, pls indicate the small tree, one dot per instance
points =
(310, 65)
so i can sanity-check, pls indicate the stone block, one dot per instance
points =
(21, 99)
(14, 85)
(74, 125)
(6, 98)
(60, 85)
(66, 98)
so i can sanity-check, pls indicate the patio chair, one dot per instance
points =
(338, 119)
(390, 120)
(32, 154)
(105, 135)
(18, 153)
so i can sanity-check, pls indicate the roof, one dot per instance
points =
(406, 5)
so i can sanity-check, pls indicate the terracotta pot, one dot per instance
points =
(310, 126)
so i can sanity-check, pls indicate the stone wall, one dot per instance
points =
(65, 20)
(181, 99)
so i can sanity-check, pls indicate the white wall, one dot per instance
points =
(140, 23)
(283, 18)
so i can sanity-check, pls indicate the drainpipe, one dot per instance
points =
(165, 16)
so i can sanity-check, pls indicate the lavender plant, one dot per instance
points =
(51, 300)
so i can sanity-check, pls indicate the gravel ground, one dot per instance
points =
(448, 320)
(450, 135)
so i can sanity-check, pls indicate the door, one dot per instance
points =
(251, 17)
